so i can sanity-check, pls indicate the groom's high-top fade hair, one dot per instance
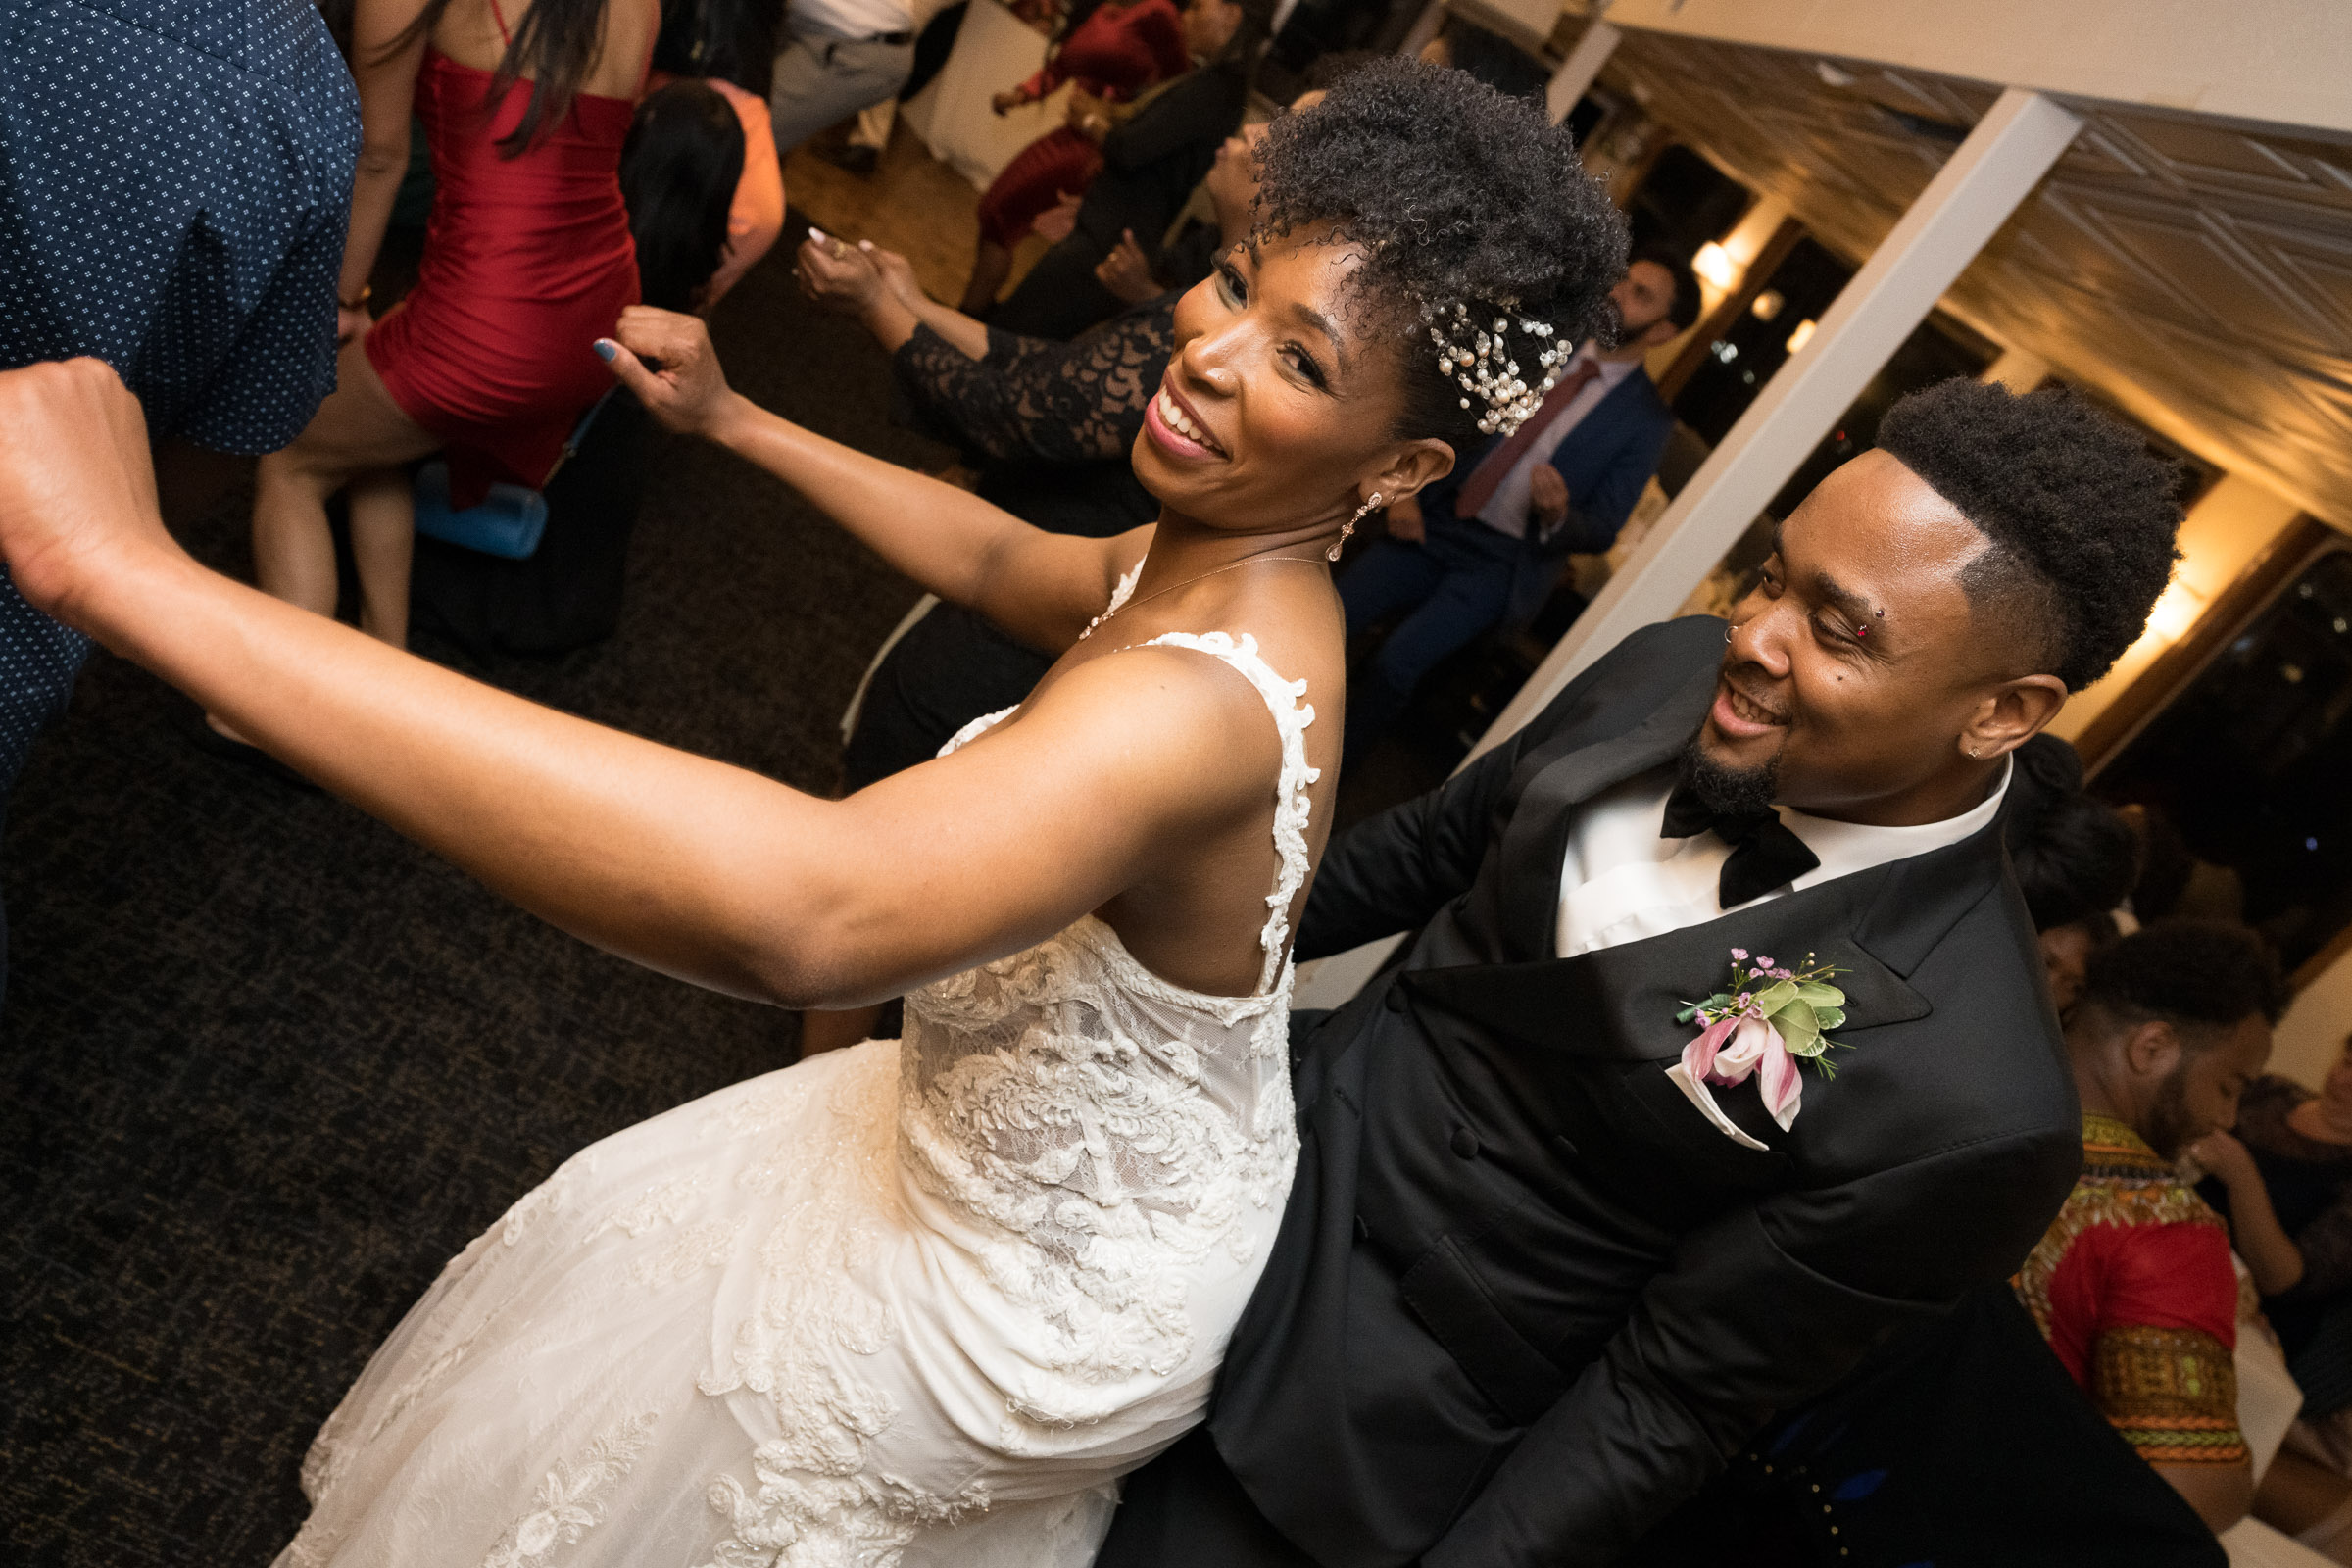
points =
(1459, 194)
(2081, 516)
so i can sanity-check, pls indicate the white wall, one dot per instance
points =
(2280, 61)
(2314, 1028)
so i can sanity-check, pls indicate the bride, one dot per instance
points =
(916, 1303)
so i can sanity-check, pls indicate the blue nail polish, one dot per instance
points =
(604, 349)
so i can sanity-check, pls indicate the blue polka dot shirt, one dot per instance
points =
(175, 186)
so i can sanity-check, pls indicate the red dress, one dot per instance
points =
(527, 261)
(1115, 54)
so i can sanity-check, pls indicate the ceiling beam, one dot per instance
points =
(2274, 61)
(1581, 69)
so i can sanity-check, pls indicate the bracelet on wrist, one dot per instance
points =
(366, 293)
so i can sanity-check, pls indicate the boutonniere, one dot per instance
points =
(1769, 1017)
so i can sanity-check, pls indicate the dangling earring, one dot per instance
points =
(1348, 528)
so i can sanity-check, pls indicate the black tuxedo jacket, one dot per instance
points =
(1525, 1298)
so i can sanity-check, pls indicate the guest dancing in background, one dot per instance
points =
(681, 170)
(525, 105)
(922, 1303)
(1110, 51)
(2132, 1285)
(1151, 164)
(730, 47)
(2284, 1179)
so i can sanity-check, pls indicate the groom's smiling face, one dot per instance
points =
(1858, 661)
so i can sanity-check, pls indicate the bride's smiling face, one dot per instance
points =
(1278, 408)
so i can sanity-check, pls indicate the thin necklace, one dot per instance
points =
(1246, 561)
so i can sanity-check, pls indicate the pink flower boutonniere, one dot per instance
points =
(1768, 1018)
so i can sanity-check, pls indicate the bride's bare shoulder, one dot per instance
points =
(1180, 709)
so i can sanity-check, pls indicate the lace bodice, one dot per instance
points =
(1032, 397)
(1109, 1117)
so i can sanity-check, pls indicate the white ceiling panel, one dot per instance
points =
(2198, 270)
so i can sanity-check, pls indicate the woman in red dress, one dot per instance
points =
(527, 260)
(1112, 53)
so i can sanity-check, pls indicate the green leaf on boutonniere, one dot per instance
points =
(1821, 995)
(1773, 998)
(1829, 1017)
(1801, 1030)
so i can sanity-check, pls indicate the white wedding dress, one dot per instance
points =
(911, 1304)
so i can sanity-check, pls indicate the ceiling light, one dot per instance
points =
(1714, 263)
(1768, 305)
(1802, 335)
(2175, 612)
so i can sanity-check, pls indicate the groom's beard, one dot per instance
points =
(1730, 792)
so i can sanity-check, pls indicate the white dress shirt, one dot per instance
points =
(1620, 882)
(1506, 509)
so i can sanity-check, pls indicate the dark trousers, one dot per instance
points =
(38, 661)
(1060, 297)
(1186, 1510)
(1457, 583)
(950, 667)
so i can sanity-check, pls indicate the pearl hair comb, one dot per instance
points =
(1480, 361)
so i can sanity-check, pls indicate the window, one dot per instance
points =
(2244, 774)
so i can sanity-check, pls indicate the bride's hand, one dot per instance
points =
(77, 496)
(689, 391)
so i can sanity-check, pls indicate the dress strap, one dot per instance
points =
(500, 17)
(1119, 596)
(1292, 804)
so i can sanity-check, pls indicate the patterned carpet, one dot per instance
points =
(267, 1066)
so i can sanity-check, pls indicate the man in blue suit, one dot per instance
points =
(1485, 544)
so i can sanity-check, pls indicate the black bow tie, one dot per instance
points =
(1765, 853)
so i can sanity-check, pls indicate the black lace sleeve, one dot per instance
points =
(1029, 398)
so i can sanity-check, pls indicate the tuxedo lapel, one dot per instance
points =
(1558, 777)
(1620, 1002)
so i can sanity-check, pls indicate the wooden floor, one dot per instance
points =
(912, 203)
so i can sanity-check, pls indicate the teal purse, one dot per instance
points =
(509, 522)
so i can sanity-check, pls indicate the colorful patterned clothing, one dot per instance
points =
(2134, 1288)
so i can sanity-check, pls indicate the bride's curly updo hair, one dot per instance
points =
(1461, 197)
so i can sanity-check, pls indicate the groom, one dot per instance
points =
(1532, 1287)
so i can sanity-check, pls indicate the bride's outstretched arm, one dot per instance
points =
(1041, 587)
(688, 866)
